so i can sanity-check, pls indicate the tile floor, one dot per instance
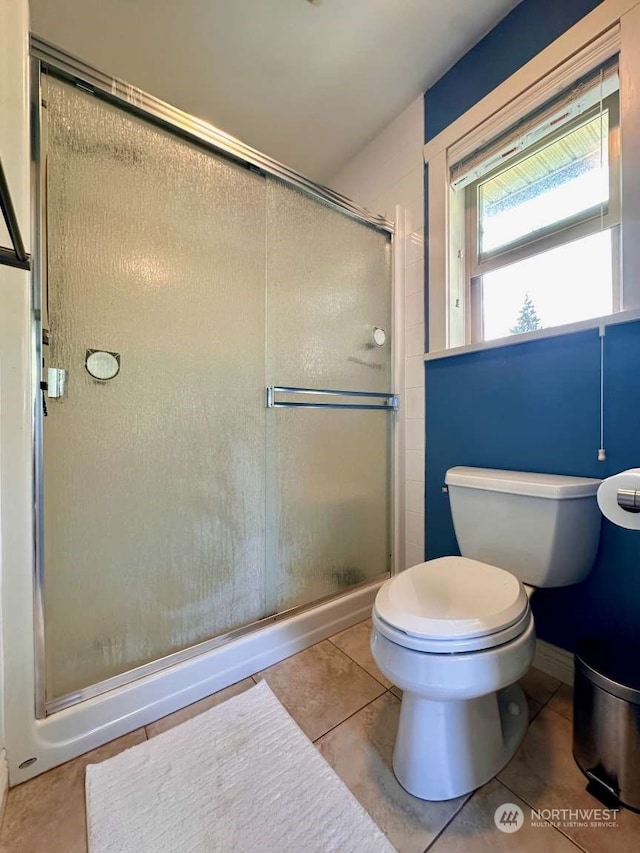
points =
(346, 706)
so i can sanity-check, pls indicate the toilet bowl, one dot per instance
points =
(457, 633)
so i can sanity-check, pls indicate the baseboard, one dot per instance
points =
(554, 661)
(4, 783)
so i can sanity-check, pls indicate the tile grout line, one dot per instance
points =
(497, 778)
(455, 814)
(337, 725)
(557, 690)
(336, 646)
(557, 828)
(544, 704)
(366, 671)
(550, 711)
(355, 662)
(253, 678)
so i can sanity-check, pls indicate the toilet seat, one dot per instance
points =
(449, 647)
(452, 604)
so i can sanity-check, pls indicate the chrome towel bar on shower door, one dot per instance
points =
(391, 400)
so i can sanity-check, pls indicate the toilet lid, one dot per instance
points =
(451, 597)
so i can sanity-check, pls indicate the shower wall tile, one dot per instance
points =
(414, 250)
(414, 371)
(414, 554)
(414, 465)
(379, 170)
(414, 434)
(414, 278)
(414, 402)
(398, 177)
(404, 190)
(414, 218)
(387, 177)
(414, 496)
(415, 528)
(414, 306)
(414, 340)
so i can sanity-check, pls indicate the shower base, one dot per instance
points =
(89, 724)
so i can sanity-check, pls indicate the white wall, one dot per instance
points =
(387, 177)
(15, 473)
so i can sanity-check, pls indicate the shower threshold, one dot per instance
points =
(54, 706)
(37, 745)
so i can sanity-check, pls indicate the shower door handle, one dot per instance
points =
(388, 401)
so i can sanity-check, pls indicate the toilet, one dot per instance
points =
(456, 633)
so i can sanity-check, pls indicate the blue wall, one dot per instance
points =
(535, 406)
(525, 31)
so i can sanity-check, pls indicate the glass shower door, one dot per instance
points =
(176, 506)
(154, 529)
(328, 474)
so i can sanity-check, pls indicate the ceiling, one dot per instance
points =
(307, 83)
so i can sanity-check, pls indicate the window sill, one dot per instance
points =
(540, 334)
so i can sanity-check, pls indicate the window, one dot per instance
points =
(542, 216)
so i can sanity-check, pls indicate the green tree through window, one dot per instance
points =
(528, 320)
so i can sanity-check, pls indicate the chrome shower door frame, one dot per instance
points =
(47, 58)
(145, 105)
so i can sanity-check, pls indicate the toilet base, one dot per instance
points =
(448, 748)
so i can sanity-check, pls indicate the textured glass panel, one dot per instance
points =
(330, 502)
(154, 480)
(329, 286)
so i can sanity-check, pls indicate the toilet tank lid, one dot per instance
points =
(553, 486)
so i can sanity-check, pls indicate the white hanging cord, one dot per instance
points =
(602, 453)
(601, 151)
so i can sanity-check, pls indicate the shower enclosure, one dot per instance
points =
(216, 409)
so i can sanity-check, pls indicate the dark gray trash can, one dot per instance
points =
(606, 720)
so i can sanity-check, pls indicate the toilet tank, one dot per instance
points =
(543, 528)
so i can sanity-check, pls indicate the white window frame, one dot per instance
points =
(583, 224)
(613, 27)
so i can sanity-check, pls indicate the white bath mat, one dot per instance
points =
(240, 777)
